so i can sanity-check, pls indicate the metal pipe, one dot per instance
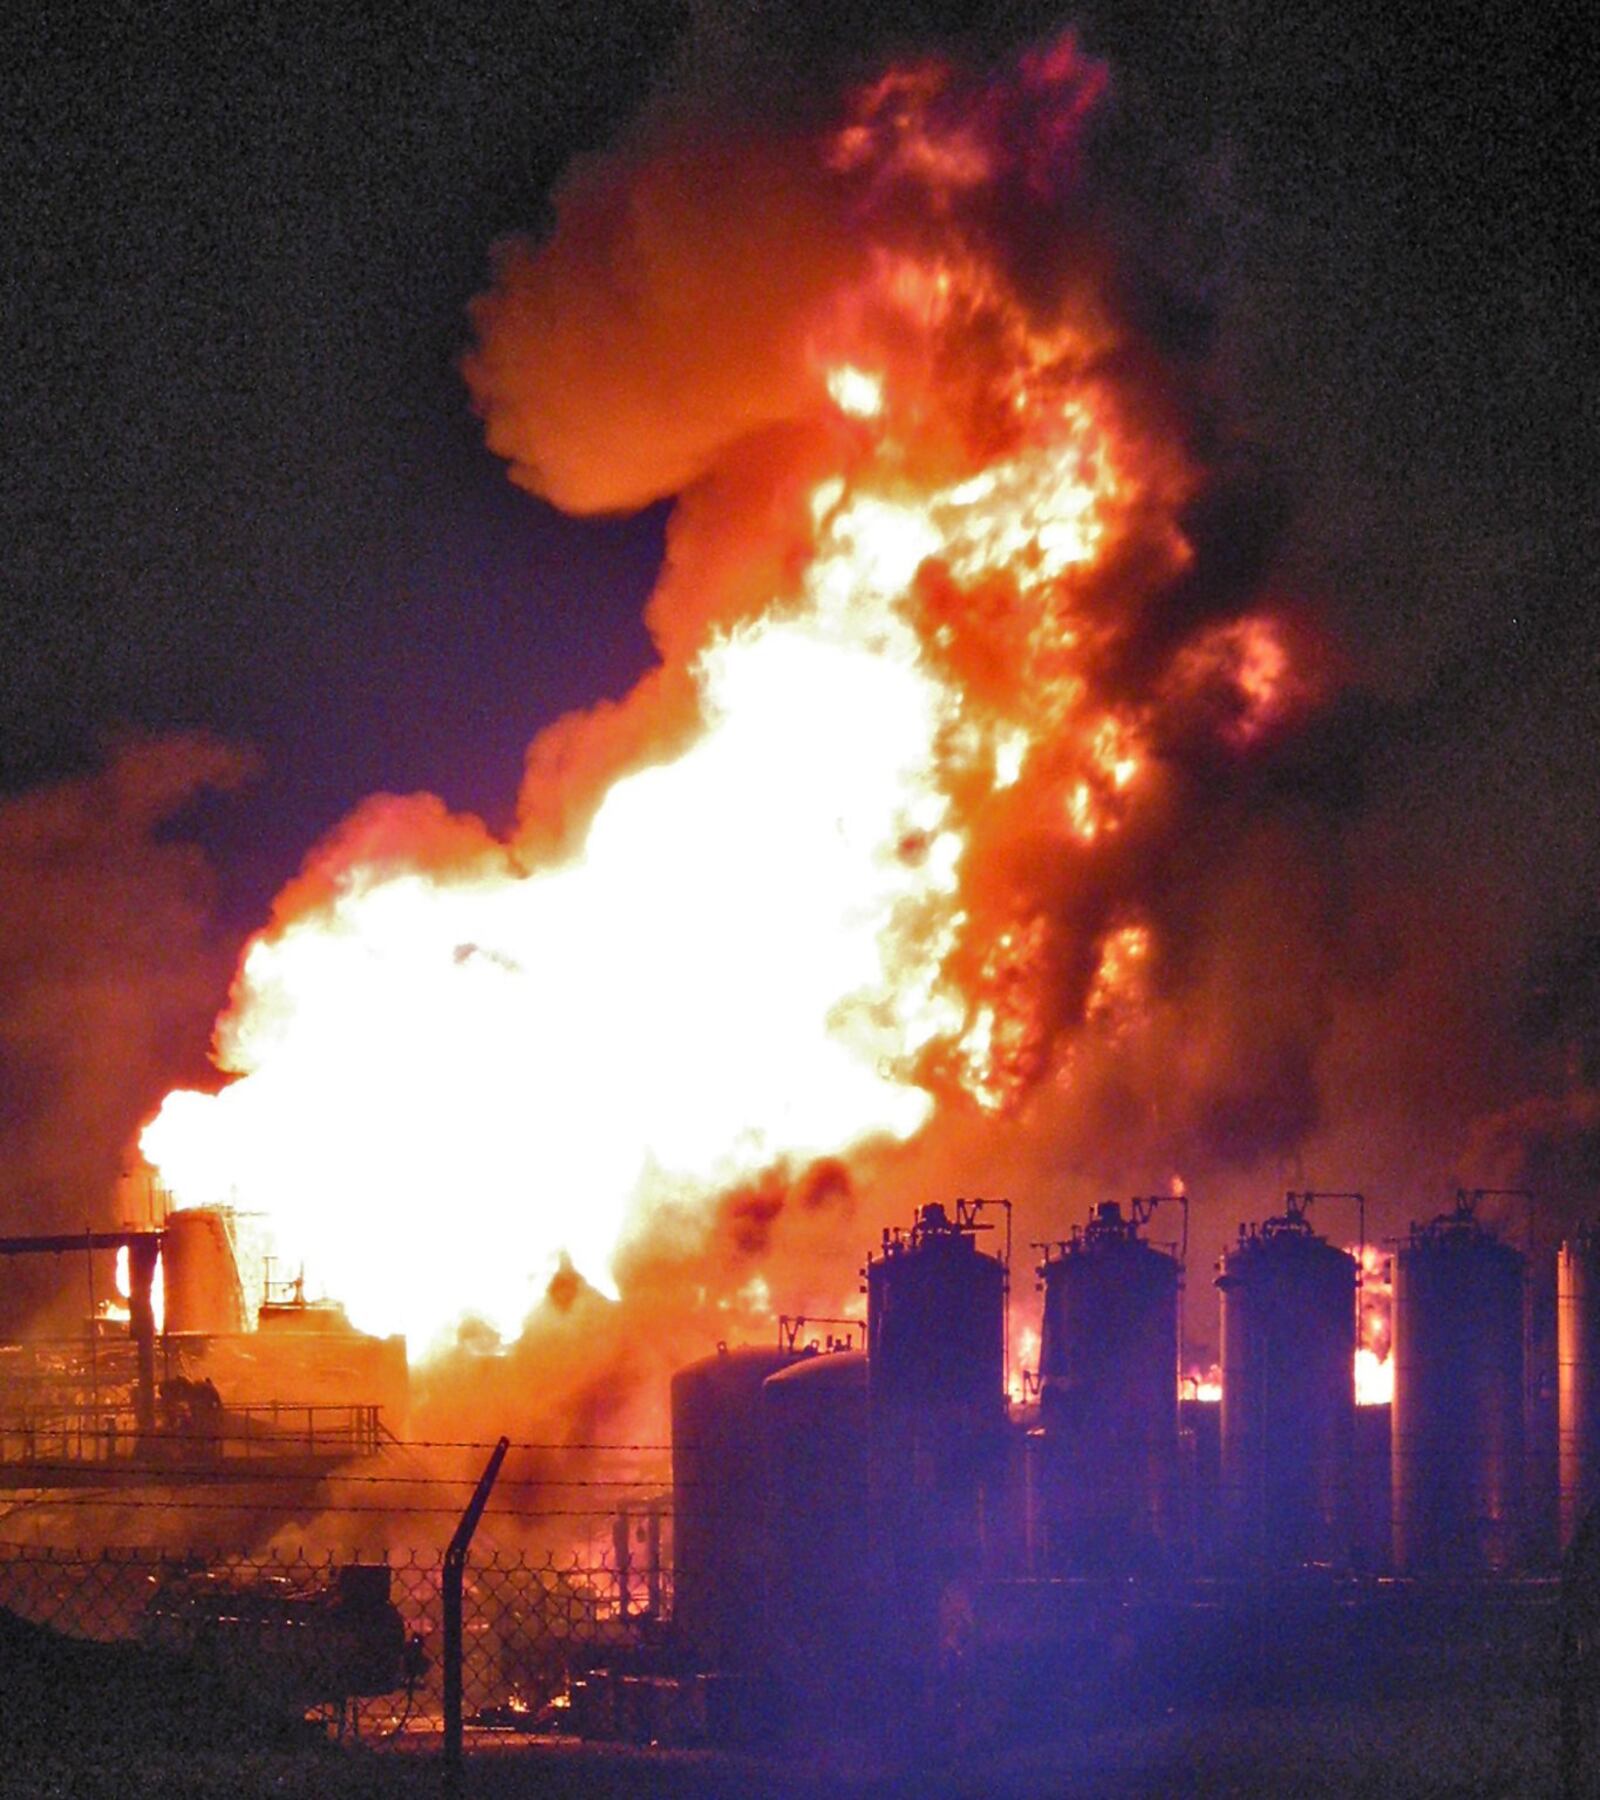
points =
(455, 1563)
(143, 1252)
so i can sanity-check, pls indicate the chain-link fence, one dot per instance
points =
(361, 1639)
(359, 1636)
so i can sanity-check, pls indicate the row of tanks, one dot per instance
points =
(889, 1485)
(1298, 1463)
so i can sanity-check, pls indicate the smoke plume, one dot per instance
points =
(998, 817)
(110, 970)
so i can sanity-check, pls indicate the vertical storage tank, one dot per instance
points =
(1541, 1405)
(1578, 1376)
(1371, 1502)
(1288, 1392)
(818, 1574)
(719, 1498)
(200, 1273)
(1108, 1399)
(1457, 1423)
(936, 1407)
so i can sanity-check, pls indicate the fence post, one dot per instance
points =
(455, 1563)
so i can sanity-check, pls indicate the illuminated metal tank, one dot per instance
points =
(936, 1402)
(200, 1274)
(1578, 1376)
(1457, 1423)
(1288, 1393)
(1540, 1539)
(815, 1421)
(719, 1493)
(1108, 1399)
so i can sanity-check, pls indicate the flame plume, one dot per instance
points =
(876, 838)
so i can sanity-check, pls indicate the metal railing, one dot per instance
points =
(41, 1440)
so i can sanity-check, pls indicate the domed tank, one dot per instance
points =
(1457, 1421)
(818, 1569)
(1578, 1376)
(1108, 1399)
(200, 1274)
(1288, 1393)
(719, 1497)
(936, 1317)
(936, 1403)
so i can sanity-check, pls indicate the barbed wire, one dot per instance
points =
(135, 1504)
(489, 1444)
(228, 1477)
(18, 1427)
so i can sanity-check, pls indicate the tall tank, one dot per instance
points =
(200, 1273)
(1108, 1399)
(1371, 1500)
(1542, 1540)
(815, 1422)
(1578, 1376)
(936, 1403)
(1457, 1423)
(1288, 1393)
(719, 1497)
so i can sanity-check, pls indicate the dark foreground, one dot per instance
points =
(1467, 1709)
(1456, 1744)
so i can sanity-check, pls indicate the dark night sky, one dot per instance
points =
(242, 488)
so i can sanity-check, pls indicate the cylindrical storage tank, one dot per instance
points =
(1288, 1394)
(200, 1274)
(936, 1396)
(1578, 1377)
(936, 1319)
(1541, 1423)
(719, 1499)
(1457, 1421)
(1108, 1399)
(1372, 1525)
(819, 1571)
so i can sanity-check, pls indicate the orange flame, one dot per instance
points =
(770, 945)
(118, 1309)
(1374, 1372)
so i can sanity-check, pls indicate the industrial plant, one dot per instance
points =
(884, 1530)
(179, 1367)
(858, 1524)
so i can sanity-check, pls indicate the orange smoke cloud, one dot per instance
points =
(924, 817)
(108, 967)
